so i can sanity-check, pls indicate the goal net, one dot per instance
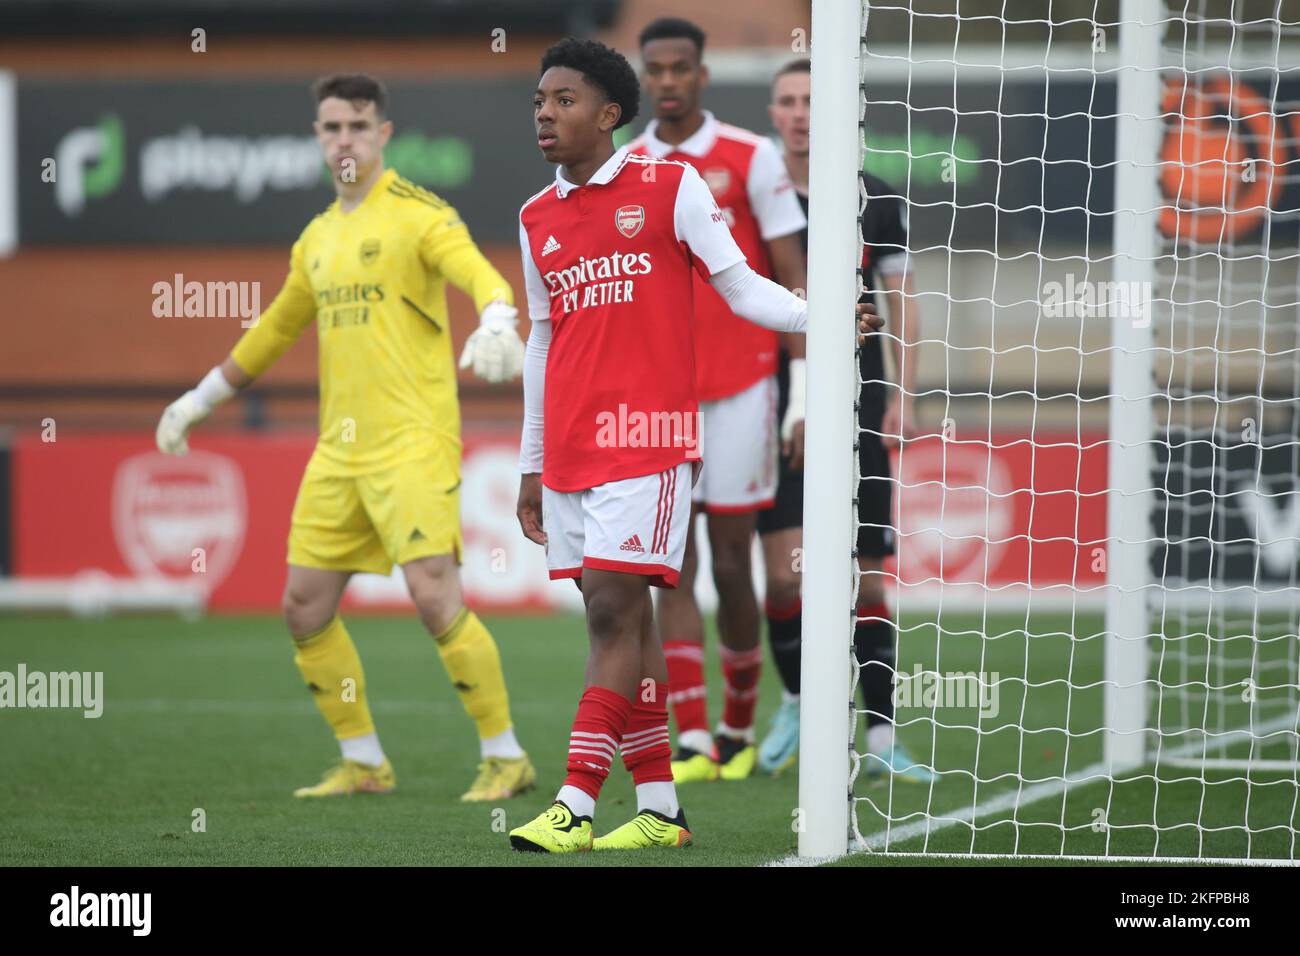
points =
(1092, 609)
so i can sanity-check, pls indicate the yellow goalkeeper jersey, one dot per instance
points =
(374, 280)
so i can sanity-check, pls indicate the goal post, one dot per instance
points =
(834, 253)
(1135, 248)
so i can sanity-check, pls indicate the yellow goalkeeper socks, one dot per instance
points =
(329, 664)
(474, 666)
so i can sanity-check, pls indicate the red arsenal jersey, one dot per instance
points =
(611, 266)
(748, 180)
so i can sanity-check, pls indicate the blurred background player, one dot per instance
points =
(884, 417)
(382, 485)
(609, 251)
(735, 366)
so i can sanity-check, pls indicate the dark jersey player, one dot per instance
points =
(885, 416)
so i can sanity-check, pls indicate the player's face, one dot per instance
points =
(571, 116)
(790, 108)
(352, 137)
(673, 77)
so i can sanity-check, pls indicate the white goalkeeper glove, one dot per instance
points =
(190, 409)
(796, 408)
(494, 350)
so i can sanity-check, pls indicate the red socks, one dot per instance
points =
(597, 729)
(689, 700)
(741, 670)
(645, 746)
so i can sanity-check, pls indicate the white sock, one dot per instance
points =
(880, 739)
(364, 750)
(659, 795)
(747, 735)
(502, 745)
(700, 740)
(579, 801)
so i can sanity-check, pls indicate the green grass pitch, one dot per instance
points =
(211, 715)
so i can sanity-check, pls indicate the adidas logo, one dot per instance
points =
(551, 246)
(632, 544)
(416, 535)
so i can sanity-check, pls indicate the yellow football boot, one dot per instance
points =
(692, 766)
(349, 777)
(556, 830)
(736, 758)
(649, 828)
(500, 778)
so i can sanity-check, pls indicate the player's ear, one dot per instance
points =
(609, 117)
(385, 132)
(704, 75)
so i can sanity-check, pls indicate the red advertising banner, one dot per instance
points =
(992, 516)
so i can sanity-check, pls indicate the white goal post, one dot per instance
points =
(1097, 517)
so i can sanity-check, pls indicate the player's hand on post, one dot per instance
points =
(529, 510)
(187, 411)
(494, 350)
(869, 320)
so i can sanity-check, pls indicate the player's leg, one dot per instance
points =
(585, 533)
(646, 752)
(473, 664)
(783, 608)
(415, 508)
(742, 435)
(780, 531)
(730, 541)
(875, 637)
(681, 629)
(330, 537)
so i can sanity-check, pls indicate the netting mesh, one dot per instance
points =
(996, 130)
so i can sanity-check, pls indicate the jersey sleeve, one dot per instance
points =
(700, 224)
(772, 195)
(539, 297)
(279, 326)
(888, 234)
(446, 248)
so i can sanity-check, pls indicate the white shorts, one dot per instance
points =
(738, 442)
(637, 525)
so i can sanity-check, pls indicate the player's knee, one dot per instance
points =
(305, 612)
(610, 618)
(782, 589)
(731, 564)
(871, 589)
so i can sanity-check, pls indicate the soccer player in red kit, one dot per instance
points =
(610, 440)
(736, 365)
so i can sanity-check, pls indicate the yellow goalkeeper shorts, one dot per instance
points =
(371, 522)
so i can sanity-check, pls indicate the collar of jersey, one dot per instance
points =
(697, 144)
(382, 183)
(599, 178)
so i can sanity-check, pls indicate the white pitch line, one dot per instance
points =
(1093, 773)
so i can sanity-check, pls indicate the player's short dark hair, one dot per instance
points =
(801, 65)
(353, 87)
(673, 28)
(602, 67)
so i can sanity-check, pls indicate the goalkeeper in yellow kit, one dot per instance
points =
(382, 486)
